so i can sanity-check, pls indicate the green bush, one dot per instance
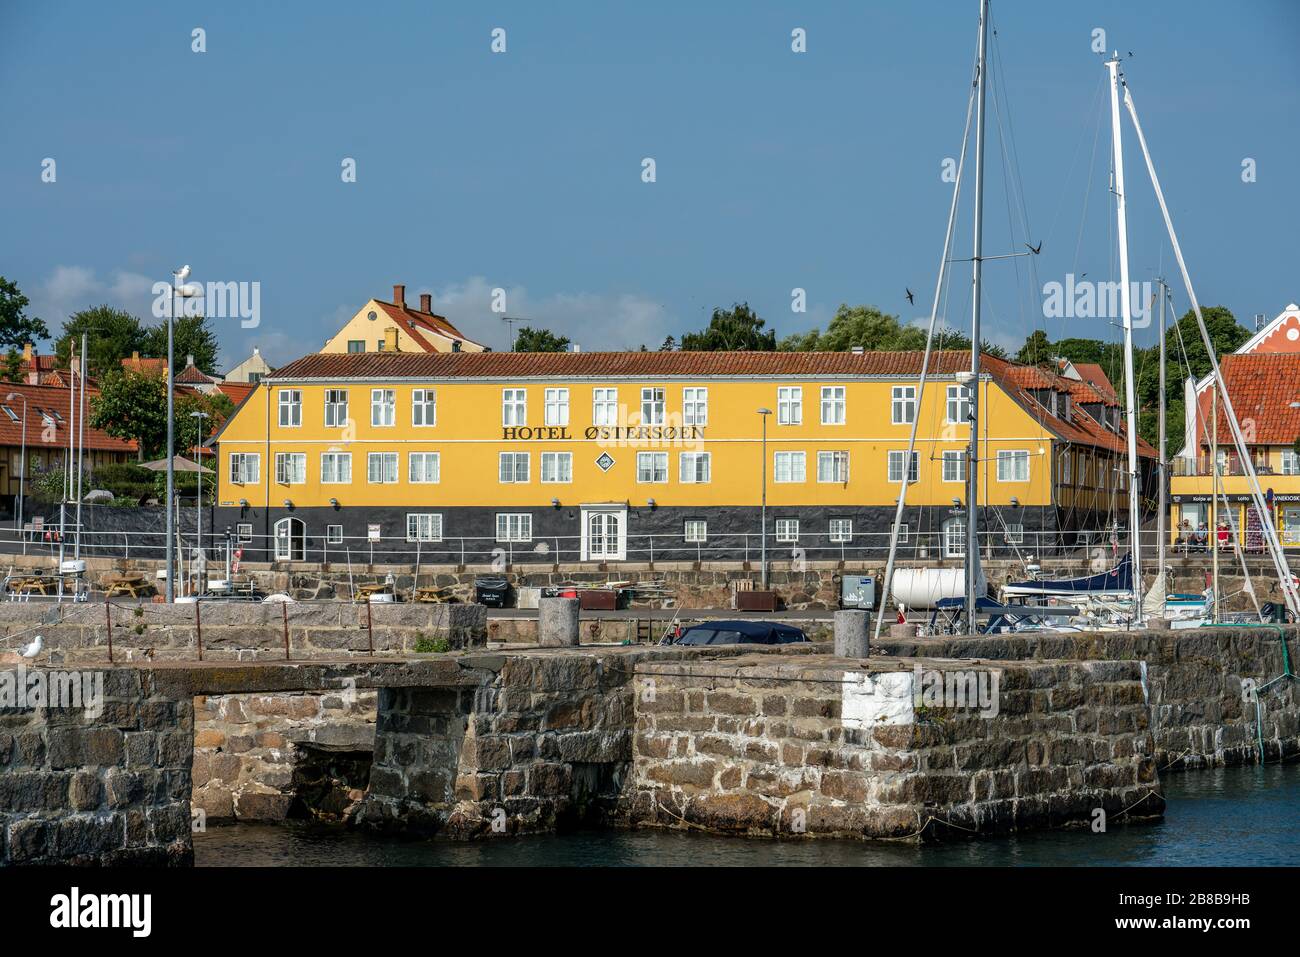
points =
(425, 645)
(128, 482)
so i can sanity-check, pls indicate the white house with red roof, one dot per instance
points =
(381, 326)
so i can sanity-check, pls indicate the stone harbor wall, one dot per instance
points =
(266, 757)
(1204, 685)
(828, 748)
(109, 788)
(79, 633)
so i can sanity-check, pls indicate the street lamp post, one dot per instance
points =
(200, 562)
(763, 414)
(22, 467)
(180, 290)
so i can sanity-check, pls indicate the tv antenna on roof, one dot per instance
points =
(510, 322)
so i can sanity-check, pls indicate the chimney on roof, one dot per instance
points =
(399, 294)
(426, 302)
(189, 359)
(135, 356)
(390, 339)
(27, 352)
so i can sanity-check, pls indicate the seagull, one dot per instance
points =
(910, 298)
(1035, 249)
(32, 650)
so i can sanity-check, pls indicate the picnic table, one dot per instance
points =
(31, 585)
(133, 584)
(363, 592)
(439, 594)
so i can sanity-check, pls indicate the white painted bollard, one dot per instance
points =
(852, 633)
(557, 622)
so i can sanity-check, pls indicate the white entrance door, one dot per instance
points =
(604, 534)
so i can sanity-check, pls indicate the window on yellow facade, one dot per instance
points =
(424, 407)
(245, 468)
(512, 467)
(652, 467)
(424, 527)
(336, 408)
(514, 407)
(335, 468)
(695, 406)
(895, 466)
(290, 408)
(514, 527)
(1013, 465)
(1290, 462)
(693, 468)
(557, 467)
(652, 406)
(424, 467)
(290, 468)
(383, 407)
(958, 404)
(555, 407)
(789, 405)
(833, 467)
(902, 408)
(381, 468)
(789, 467)
(604, 406)
(833, 405)
(356, 345)
(954, 466)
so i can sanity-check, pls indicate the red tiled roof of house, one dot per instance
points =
(145, 364)
(1095, 376)
(48, 400)
(414, 322)
(193, 375)
(1016, 379)
(1264, 388)
(238, 391)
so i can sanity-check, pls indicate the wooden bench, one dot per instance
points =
(133, 584)
(436, 594)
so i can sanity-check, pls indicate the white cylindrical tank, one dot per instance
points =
(922, 587)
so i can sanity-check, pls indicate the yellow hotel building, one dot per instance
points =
(640, 456)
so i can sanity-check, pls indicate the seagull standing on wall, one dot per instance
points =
(32, 650)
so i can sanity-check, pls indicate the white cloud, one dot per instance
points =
(69, 289)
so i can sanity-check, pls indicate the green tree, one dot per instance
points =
(111, 335)
(16, 327)
(133, 405)
(191, 336)
(1037, 349)
(539, 340)
(738, 329)
(669, 345)
(13, 366)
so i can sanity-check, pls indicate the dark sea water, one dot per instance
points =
(1222, 817)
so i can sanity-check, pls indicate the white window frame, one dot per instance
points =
(1290, 464)
(241, 473)
(384, 458)
(336, 410)
(834, 401)
(290, 468)
(897, 456)
(786, 531)
(958, 407)
(654, 405)
(289, 523)
(903, 531)
(427, 527)
(1014, 533)
(832, 474)
(244, 532)
(560, 465)
(604, 406)
(555, 406)
(514, 407)
(789, 405)
(1067, 462)
(420, 477)
(658, 465)
(510, 474)
(902, 405)
(957, 474)
(522, 523)
(1007, 459)
(383, 408)
(339, 459)
(695, 531)
(333, 534)
(290, 408)
(424, 407)
(789, 467)
(691, 462)
(695, 406)
(840, 530)
(953, 530)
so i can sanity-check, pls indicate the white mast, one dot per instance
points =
(973, 388)
(1121, 214)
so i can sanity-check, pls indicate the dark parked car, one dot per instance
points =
(740, 633)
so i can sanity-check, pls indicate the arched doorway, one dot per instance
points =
(290, 540)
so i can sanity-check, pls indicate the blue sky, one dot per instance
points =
(522, 170)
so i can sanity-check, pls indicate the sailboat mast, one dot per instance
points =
(1162, 531)
(973, 388)
(1121, 214)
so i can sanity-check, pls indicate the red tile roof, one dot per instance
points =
(238, 391)
(1095, 376)
(414, 322)
(1016, 379)
(41, 400)
(1262, 387)
(145, 364)
(192, 375)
